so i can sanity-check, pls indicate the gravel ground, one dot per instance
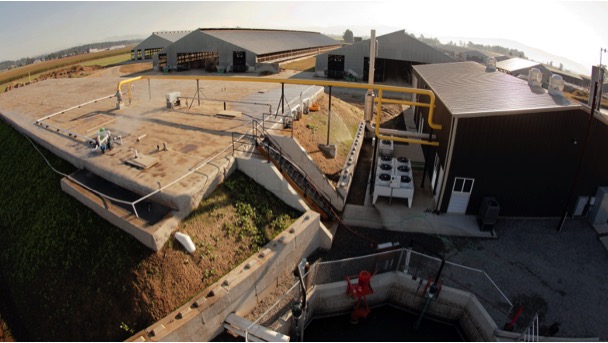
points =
(561, 276)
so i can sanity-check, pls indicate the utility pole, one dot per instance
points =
(600, 80)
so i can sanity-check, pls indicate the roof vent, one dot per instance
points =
(535, 78)
(491, 64)
(556, 85)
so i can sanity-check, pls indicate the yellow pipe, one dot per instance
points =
(378, 113)
(404, 102)
(379, 88)
(137, 78)
(406, 140)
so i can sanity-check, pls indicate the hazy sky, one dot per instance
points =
(574, 29)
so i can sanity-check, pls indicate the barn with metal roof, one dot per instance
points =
(506, 140)
(397, 53)
(519, 66)
(240, 50)
(155, 43)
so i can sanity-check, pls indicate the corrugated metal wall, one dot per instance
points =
(198, 41)
(527, 161)
(394, 46)
(594, 173)
(152, 42)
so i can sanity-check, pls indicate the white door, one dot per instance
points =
(461, 192)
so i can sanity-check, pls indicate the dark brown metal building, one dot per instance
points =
(505, 139)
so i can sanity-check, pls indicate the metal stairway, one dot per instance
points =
(259, 139)
(297, 176)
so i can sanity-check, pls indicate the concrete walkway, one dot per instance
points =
(396, 218)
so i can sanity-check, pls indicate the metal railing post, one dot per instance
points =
(408, 257)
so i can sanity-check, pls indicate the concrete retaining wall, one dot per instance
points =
(346, 175)
(201, 318)
(399, 289)
(154, 237)
(269, 177)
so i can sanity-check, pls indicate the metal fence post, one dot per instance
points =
(408, 256)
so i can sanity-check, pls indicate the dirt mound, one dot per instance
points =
(135, 68)
(311, 130)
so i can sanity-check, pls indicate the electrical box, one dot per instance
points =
(172, 99)
(488, 213)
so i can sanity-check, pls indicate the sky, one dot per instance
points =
(576, 30)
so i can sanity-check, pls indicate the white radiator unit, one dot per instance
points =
(535, 78)
(556, 85)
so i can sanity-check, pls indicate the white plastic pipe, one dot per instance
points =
(186, 241)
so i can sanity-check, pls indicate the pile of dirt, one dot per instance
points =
(311, 130)
(135, 68)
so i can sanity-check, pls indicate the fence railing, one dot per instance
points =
(531, 333)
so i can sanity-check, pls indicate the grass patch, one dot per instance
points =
(107, 61)
(72, 276)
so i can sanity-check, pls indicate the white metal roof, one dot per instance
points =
(468, 90)
(516, 63)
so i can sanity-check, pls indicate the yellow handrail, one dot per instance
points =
(380, 88)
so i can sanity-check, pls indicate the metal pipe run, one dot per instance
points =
(75, 107)
(324, 83)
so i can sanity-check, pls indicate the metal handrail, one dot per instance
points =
(531, 333)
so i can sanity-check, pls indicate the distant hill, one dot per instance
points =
(77, 50)
(531, 53)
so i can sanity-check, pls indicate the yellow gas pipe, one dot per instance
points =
(379, 100)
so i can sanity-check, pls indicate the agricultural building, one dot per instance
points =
(397, 53)
(155, 43)
(516, 143)
(240, 50)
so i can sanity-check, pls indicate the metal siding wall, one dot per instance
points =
(353, 58)
(153, 42)
(321, 61)
(526, 161)
(594, 172)
(443, 117)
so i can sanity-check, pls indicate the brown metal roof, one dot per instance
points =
(468, 90)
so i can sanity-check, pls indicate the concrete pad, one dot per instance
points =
(362, 216)
(184, 152)
(229, 114)
(604, 241)
(601, 229)
(142, 162)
